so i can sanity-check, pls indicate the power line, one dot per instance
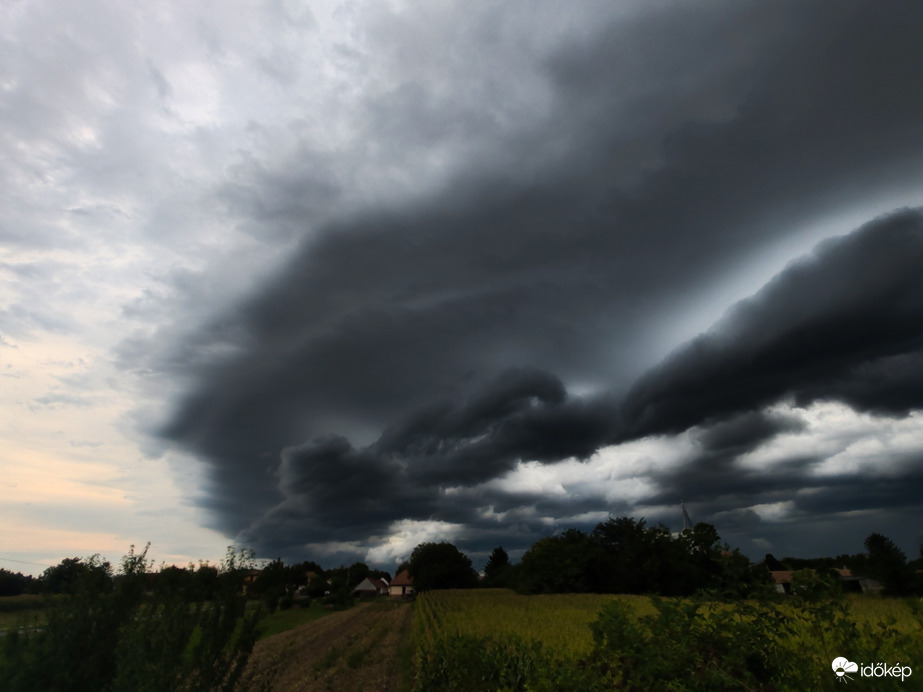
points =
(22, 562)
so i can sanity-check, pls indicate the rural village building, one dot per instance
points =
(371, 587)
(850, 582)
(402, 585)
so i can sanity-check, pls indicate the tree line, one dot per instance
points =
(619, 555)
(625, 555)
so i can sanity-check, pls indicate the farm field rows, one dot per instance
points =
(559, 621)
(494, 638)
(356, 649)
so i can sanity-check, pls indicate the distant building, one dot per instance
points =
(371, 587)
(402, 585)
(850, 582)
(783, 580)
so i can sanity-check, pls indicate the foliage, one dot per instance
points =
(283, 620)
(340, 597)
(888, 564)
(14, 583)
(623, 555)
(675, 644)
(498, 572)
(117, 636)
(440, 566)
(75, 573)
(569, 562)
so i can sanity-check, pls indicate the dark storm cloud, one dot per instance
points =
(334, 491)
(672, 150)
(845, 324)
(819, 514)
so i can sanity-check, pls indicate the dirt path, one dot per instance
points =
(358, 650)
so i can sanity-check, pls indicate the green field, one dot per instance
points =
(284, 620)
(559, 621)
(26, 610)
(494, 638)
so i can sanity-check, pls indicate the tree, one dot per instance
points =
(888, 564)
(571, 562)
(13, 583)
(73, 574)
(440, 566)
(271, 584)
(498, 569)
(772, 564)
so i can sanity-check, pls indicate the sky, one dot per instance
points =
(327, 280)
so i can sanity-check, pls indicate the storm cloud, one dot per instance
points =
(845, 323)
(552, 296)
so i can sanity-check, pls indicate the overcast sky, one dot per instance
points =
(327, 280)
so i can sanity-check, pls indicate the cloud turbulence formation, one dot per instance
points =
(558, 295)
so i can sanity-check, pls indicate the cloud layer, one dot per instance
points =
(840, 325)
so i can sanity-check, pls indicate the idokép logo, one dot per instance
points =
(843, 666)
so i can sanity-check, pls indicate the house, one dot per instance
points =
(371, 587)
(856, 583)
(849, 581)
(402, 585)
(783, 580)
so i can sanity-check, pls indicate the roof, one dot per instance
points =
(367, 585)
(782, 576)
(402, 579)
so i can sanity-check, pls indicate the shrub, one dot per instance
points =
(122, 639)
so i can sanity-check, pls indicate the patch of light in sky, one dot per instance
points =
(703, 308)
(405, 535)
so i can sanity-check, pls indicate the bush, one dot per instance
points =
(121, 639)
(689, 644)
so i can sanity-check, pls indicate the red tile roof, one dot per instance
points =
(403, 579)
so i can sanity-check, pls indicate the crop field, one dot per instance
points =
(25, 610)
(559, 621)
(497, 639)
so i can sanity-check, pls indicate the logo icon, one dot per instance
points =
(842, 666)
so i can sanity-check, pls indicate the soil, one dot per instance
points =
(356, 650)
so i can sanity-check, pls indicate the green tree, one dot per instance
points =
(888, 564)
(440, 566)
(74, 573)
(571, 562)
(498, 571)
(13, 583)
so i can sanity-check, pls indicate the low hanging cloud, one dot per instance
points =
(722, 384)
(335, 491)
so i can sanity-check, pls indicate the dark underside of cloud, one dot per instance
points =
(845, 324)
(407, 353)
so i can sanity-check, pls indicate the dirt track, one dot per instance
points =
(352, 651)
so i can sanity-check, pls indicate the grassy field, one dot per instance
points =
(284, 620)
(560, 621)
(27, 610)
(526, 641)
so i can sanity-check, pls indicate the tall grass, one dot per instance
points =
(496, 639)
